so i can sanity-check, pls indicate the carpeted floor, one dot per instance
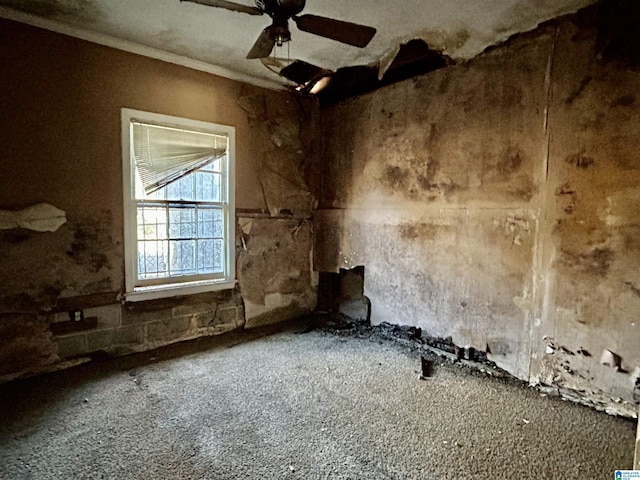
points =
(296, 406)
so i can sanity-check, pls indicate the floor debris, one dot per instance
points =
(427, 368)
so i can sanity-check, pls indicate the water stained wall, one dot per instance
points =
(436, 196)
(496, 202)
(60, 144)
(591, 253)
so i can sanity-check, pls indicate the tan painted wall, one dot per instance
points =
(60, 143)
(497, 203)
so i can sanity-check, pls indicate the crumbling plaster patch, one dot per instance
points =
(274, 270)
(603, 387)
(273, 262)
(286, 139)
(40, 218)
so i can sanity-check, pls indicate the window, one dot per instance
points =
(179, 205)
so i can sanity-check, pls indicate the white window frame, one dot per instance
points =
(173, 287)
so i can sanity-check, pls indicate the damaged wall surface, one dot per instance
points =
(60, 145)
(496, 203)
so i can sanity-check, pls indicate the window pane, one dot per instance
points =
(152, 223)
(182, 189)
(217, 187)
(205, 257)
(204, 186)
(208, 186)
(182, 223)
(153, 259)
(210, 256)
(210, 223)
(218, 255)
(182, 257)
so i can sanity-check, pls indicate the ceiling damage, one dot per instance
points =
(412, 36)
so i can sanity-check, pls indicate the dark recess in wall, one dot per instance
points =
(618, 24)
(414, 58)
(336, 289)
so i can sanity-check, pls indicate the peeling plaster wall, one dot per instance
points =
(60, 143)
(496, 203)
(590, 237)
(280, 246)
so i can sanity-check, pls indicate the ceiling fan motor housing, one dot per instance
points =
(281, 8)
(279, 31)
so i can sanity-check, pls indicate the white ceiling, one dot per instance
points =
(217, 40)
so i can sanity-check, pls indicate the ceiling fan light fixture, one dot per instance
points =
(281, 34)
(314, 87)
(320, 84)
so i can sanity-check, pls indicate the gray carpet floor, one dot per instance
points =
(297, 406)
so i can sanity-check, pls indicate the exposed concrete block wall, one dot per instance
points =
(60, 144)
(497, 203)
(136, 327)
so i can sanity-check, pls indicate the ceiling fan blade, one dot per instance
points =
(302, 72)
(344, 32)
(235, 7)
(263, 46)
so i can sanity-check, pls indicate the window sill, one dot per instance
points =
(140, 294)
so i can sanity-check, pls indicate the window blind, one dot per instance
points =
(165, 154)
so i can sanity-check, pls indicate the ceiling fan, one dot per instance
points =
(278, 32)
